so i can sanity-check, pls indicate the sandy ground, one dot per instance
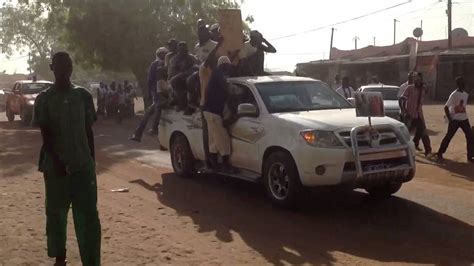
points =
(212, 220)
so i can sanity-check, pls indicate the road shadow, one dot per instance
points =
(20, 145)
(462, 170)
(19, 148)
(394, 230)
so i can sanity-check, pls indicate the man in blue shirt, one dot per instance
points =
(156, 72)
(219, 139)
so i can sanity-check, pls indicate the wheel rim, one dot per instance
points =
(278, 181)
(178, 157)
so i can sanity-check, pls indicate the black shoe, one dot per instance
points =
(60, 261)
(439, 156)
(229, 169)
(135, 138)
(153, 133)
(189, 111)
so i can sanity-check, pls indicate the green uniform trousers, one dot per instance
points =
(78, 189)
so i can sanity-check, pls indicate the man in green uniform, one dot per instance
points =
(65, 114)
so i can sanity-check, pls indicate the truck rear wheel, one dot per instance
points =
(10, 114)
(383, 191)
(26, 118)
(182, 157)
(281, 180)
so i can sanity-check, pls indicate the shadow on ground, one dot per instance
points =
(20, 145)
(394, 230)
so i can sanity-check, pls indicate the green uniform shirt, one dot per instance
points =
(65, 113)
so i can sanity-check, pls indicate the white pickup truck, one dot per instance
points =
(295, 132)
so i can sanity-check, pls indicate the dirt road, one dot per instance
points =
(211, 220)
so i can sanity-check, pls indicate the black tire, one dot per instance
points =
(383, 191)
(25, 118)
(182, 157)
(10, 115)
(277, 179)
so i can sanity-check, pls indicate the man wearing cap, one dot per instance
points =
(219, 139)
(65, 114)
(157, 73)
(253, 54)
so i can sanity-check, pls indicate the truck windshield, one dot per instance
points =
(296, 96)
(33, 88)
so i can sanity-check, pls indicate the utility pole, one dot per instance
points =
(421, 26)
(449, 13)
(374, 40)
(395, 30)
(355, 41)
(332, 38)
(29, 62)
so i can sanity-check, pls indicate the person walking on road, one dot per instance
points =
(65, 114)
(157, 76)
(455, 109)
(411, 106)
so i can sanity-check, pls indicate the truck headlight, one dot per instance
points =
(405, 133)
(320, 138)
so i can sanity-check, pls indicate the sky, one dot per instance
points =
(302, 23)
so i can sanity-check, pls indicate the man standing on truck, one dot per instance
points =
(456, 114)
(219, 139)
(157, 75)
(254, 54)
(65, 114)
(411, 106)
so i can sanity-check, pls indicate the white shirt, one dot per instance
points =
(202, 52)
(346, 93)
(456, 104)
(403, 87)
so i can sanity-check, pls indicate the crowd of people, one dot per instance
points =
(197, 82)
(411, 97)
(116, 100)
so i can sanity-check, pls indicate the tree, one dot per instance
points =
(26, 27)
(123, 35)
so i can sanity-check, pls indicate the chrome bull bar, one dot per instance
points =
(402, 147)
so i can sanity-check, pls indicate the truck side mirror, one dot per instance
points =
(247, 110)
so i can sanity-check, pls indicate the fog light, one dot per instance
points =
(320, 170)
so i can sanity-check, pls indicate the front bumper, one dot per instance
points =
(359, 163)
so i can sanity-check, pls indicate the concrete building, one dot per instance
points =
(391, 64)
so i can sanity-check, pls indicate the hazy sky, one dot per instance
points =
(278, 18)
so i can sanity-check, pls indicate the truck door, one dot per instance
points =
(245, 132)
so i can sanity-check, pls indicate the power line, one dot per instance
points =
(424, 9)
(341, 22)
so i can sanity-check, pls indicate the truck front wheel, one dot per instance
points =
(10, 114)
(281, 179)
